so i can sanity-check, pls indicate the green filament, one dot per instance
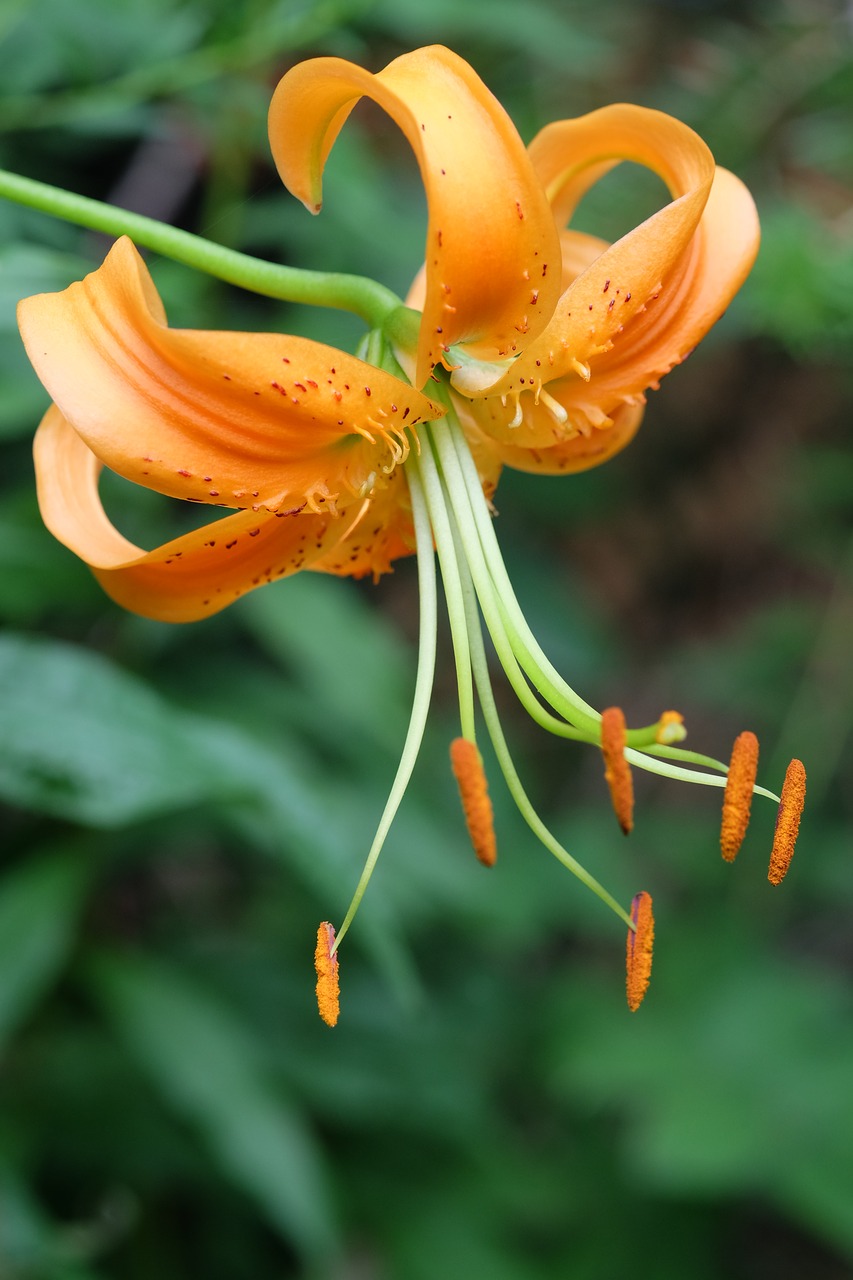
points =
(428, 599)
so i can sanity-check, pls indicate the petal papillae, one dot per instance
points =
(199, 573)
(492, 253)
(262, 421)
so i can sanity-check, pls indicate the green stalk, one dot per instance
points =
(428, 475)
(513, 782)
(423, 692)
(467, 496)
(365, 298)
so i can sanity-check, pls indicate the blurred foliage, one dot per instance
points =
(183, 805)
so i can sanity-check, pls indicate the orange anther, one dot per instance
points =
(467, 765)
(737, 799)
(326, 964)
(787, 821)
(639, 952)
(617, 771)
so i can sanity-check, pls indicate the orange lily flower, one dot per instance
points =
(303, 440)
(552, 336)
(540, 343)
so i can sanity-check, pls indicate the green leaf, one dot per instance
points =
(28, 268)
(343, 653)
(39, 906)
(210, 1070)
(86, 741)
(31, 1246)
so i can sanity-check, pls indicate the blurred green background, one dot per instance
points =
(183, 805)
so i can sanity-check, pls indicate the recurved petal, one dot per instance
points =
(630, 276)
(570, 156)
(581, 451)
(712, 269)
(190, 577)
(492, 252)
(252, 420)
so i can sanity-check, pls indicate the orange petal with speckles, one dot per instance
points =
(492, 252)
(583, 450)
(199, 573)
(642, 304)
(250, 420)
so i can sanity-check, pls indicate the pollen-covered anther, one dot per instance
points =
(326, 964)
(617, 771)
(638, 960)
(787, 821)
(467, 765)
(670, 728)
(737, 799)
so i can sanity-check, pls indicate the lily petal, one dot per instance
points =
(631, 274)
(199, 573)
(251, 420)
(579, 452)
(712, 270)
(492, 253)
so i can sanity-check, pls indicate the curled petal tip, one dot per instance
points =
(326, 964)
(787, 821)
(639, 950)
(737, 799)
(617, 771)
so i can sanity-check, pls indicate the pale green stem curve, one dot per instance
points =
(428, 600)
(685, 756)
(643, 761)
(439, 519)
(533, 660)
(543, 674)
(513, 782)
(365, 298)
(499, 627)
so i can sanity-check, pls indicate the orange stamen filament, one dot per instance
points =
(617, 771)
(467, 765)
(787, 821)
(737, 799)
(639, 950)
(326, 964)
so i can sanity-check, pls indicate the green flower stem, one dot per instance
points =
(428, 629)
(462, 477)
(532, 659)
(499, 628)
(513, 782)
(424, 463)
(643, 761)
(365, 298)
(687, 757)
